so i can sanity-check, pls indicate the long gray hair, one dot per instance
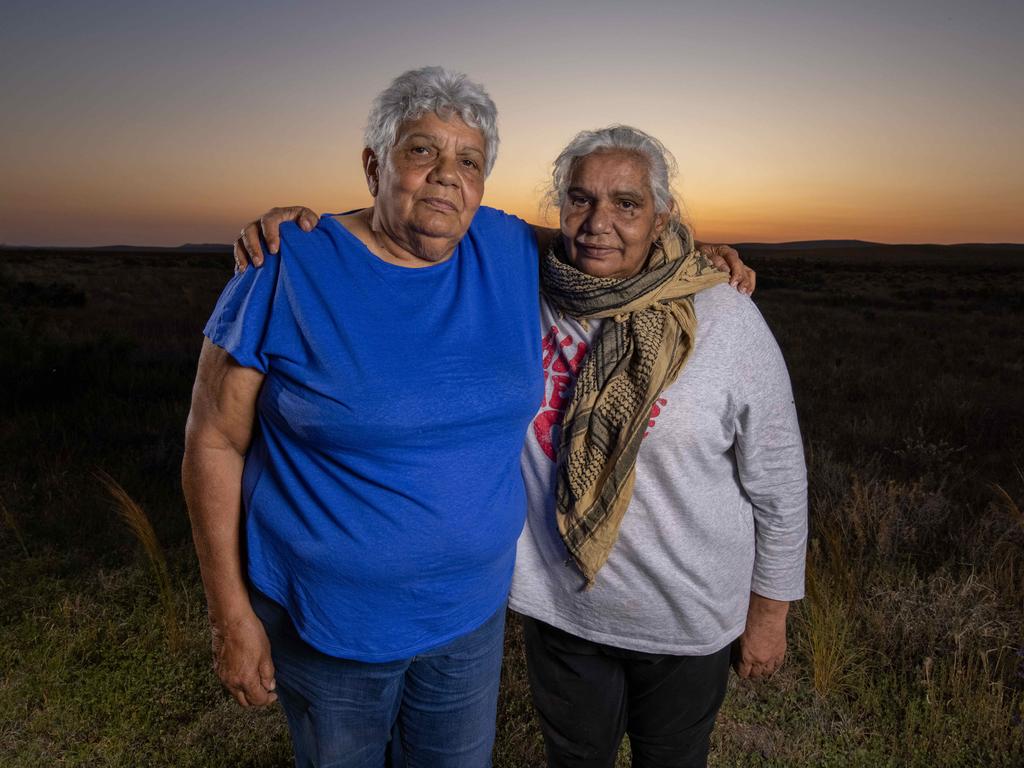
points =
(431, 89)
(661, 165)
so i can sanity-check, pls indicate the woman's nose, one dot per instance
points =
(598, 220)
(445, 170)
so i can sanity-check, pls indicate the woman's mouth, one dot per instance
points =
(440, 204)
(590, 249)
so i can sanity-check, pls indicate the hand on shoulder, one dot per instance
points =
(266, 230)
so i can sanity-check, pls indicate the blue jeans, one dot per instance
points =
(434, 710)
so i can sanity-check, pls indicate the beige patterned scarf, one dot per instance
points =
(631, 362)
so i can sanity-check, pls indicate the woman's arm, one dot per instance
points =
(217, 436)
(770, 463)
(249, 245)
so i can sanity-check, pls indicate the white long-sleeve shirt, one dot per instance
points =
(719, 506)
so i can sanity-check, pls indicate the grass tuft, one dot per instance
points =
(13, 526)
(825, 634)
(138, 523)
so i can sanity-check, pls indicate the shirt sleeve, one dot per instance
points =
(770, 460)
(241, 319)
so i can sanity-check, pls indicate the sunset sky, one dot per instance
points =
(165, 123)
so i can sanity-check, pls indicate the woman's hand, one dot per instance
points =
(248, 248)
(241, 659)
(761, 648)
(726, 259)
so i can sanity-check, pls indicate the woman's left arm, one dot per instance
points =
(217, 437)
(770, 461)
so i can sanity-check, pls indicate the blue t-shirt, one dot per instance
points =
(382, 489)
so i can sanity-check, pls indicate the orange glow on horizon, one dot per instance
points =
(149, 128)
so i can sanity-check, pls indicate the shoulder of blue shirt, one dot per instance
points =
(296, 242)
(485, 216)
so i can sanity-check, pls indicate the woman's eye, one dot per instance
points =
(627, 205)
(578, 201)
(470, 163)
(419, 150)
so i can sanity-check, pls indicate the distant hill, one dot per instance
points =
(191, 247)
(822, 245)
(801, 245)
(187, 247)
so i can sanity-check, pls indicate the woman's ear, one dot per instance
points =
(661, 220)
(371, 168)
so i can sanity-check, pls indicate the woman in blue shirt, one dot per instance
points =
(363, 400)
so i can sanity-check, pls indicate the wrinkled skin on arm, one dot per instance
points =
(760, 650)
(217, 436)
(265, 230)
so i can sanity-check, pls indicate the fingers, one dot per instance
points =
(248, 247)
(252, 694)
(267, 681)
(734, 265)
(270, 223)
(251, 690)
(242, 661)
(727, 259)
(742, 668)
(751, 663)
(307, 219)
(250, 239)
(757, 669)
(748, 281)
(240, 256)
(762, 671)
(239, 695)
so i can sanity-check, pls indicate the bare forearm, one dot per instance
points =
(211, 478)
(216, 438)
(762, 646)
(766, 610)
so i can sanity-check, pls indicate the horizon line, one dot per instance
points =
(744, 243)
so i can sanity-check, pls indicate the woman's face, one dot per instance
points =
(430, 186)
(608, 217)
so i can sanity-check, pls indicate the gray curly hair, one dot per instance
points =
(431, 89)
(661, 165)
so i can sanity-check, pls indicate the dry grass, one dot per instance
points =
(13, 527)
(138, 523)
(826, 635)
(907, 651)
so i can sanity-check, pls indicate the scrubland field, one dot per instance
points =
(908, 366)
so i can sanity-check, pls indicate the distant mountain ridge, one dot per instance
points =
(802, 244)
(187, 247)
(823, 245)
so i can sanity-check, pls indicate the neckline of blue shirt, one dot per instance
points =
(377, 263)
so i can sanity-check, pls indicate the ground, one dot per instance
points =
(907, 369)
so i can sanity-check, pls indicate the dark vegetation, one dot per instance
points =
(907, 365)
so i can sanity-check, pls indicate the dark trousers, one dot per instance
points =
(588, 695)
